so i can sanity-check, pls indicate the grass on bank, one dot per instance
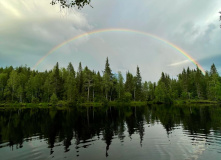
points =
(64, 104)
(196, 102)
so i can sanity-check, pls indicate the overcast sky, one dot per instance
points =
(29, 29)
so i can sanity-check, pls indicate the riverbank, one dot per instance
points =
(63, 104)
(196, 102)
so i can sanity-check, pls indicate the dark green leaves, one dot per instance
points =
(71, 3)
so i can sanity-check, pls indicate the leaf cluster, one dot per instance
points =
(71, 3)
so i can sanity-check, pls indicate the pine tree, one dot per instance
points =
(138, 84)
(88, 81)
(107, 80)
(151, 90)
(3, 84)
(120, 86)
(12, 84)
(80, 81)
(214, 86)
(107, 69)
(145, 91)
(199, 79)
(70, 69)
(97, 87)
(57, 81)
(129, 84)
(70, 83)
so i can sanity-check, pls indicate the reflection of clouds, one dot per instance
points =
(199, 146)
(183, 145)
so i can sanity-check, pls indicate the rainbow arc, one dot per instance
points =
(180, 50)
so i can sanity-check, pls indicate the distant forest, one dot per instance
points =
(24, 85)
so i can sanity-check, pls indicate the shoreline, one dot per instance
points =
(100, 104)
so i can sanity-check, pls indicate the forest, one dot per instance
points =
(23, 85)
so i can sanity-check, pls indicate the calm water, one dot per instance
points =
(151, 132)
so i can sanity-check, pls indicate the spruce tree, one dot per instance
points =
(57, 81)
(80, 81)
(138, 84)
(107, 79)
(214, 85)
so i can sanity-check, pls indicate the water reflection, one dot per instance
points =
(87, 129)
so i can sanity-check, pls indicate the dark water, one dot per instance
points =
(151, 132)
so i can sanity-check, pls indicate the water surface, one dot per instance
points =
(149, 132)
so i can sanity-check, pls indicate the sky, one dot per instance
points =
(29, 29)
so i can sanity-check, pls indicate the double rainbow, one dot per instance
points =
(122, 30)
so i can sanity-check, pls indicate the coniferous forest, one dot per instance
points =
(24, 85)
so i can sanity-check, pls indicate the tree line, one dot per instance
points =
(24, 85)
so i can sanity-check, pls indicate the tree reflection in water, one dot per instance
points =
(85, 125)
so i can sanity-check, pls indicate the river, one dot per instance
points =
(148, 132)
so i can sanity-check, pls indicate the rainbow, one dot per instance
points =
(122, 30)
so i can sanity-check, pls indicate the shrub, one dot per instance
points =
(54, 98)
(127, 97)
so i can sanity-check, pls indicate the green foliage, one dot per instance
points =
(88, 81)
(80, 80)
(54, 98)
(138, 85)
(129, 84)
(57, 81)
(164, 90)
(127, 97)
(120, 86)
(3, 84)
(107, 81)
(214, 84)
(62, 103)
(161, 92)
(151, 91)
(21, 85)
(34, 100)
(69, 83)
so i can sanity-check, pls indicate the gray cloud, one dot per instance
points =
(36, 30)
(29, 29)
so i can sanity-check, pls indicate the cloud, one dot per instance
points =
(207, 62)
(179, 63)
(30, 29)
(7, 6)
